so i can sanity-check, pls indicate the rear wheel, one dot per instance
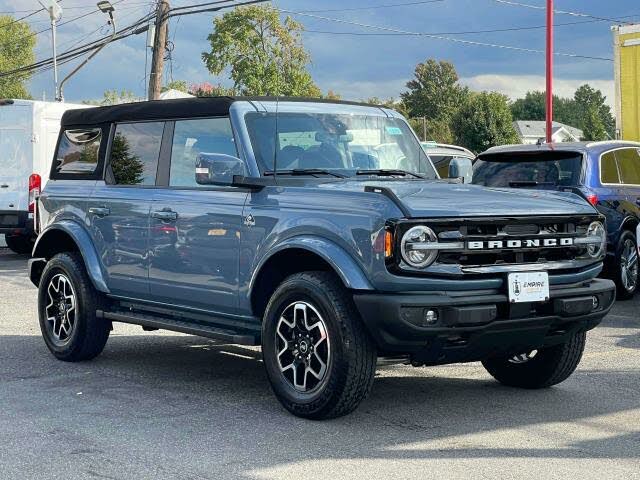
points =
(19, 244)
(540, 368)
(319, 358)
(626, 278)
(67, 304)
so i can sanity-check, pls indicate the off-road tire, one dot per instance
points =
(622, 292)
(548, 367)
(90, 333)
(19, 244)
(351, 367)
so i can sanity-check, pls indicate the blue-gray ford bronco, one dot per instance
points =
(318, 230)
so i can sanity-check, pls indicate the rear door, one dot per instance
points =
(15, 157)
(118, 209)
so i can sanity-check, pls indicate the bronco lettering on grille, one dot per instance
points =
(515, 244)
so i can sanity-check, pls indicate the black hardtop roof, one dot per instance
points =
(175, 108)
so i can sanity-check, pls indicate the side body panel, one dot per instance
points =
(194, 259)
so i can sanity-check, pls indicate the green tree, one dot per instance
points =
(264, 55)
(593, 127)
(484, 121)
(590, 102)
(17, 44)
(180, 85)
(114, 97)
(206, 89)
(531, 107)
(434, 92)
(127, 167)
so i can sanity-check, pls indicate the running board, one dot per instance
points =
(151, 321)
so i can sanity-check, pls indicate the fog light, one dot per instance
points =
(430, 317)
(596, 302)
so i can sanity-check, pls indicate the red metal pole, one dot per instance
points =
(549, 106)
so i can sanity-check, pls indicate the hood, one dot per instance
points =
(444, 199)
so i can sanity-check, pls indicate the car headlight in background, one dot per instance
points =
(415, 248)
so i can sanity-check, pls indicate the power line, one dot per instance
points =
(21, 18)
(562, 12)
(466, 32)
(373, 7)
(133, 29)
(443, 37)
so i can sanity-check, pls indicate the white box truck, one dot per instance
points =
(28, 135)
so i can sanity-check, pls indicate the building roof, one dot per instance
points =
(174, 108)
(538, 129)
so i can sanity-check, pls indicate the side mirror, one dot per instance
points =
(461, 167)
(218, 169)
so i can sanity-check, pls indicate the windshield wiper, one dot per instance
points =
(388, 172)
(304, 171)
(528, 183)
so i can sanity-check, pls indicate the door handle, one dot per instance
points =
(638, 201)
(4, 185)
(166, 215)
(99, 211)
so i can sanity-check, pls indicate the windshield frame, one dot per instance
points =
(240, 110)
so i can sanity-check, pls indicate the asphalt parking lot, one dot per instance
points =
(163, 405)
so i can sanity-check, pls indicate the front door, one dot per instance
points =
(195, 229)
(119, 207)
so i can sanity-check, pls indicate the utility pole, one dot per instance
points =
(549, 103)
(159, 43)
(55, 12)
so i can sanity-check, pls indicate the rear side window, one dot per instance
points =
(192, 138)
(629, 165)
(78, 152)
(134, 154)
(609, 168)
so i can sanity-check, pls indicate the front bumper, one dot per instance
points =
(15, 223)
(478, 324)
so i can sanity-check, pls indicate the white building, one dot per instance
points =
(533, 131)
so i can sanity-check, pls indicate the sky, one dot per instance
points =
(349, 55)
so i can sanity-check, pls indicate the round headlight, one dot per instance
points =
(413, 248)
(597, 230)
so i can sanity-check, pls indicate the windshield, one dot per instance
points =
(528, 170)
(341, 144)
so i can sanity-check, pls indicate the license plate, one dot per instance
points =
(528, 287)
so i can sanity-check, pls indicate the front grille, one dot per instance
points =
(504, 232)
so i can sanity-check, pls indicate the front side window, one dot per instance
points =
(192, 138)
(609, 168)
(629, 165)
(134, 153)
(78, 151)
(340, 143)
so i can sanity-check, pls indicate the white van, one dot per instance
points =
(28, 134)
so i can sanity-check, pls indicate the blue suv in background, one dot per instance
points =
(606, 174)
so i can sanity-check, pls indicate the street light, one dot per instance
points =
(55, 12)
(105, 7)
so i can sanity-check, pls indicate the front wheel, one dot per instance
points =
(626, 278)
(319, 358)
(540, 368)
